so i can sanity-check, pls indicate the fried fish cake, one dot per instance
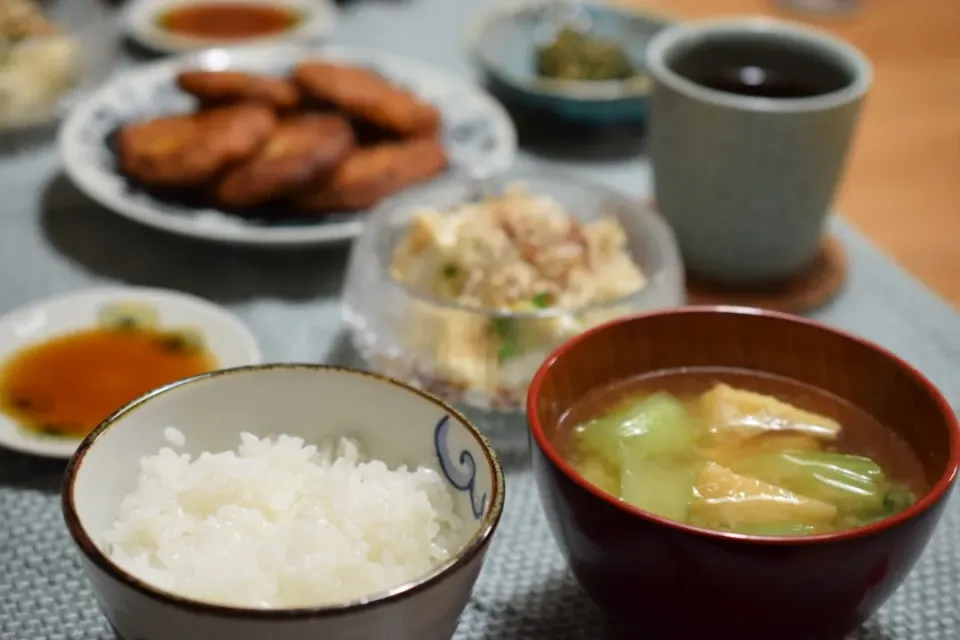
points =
(362, 93)
(301, 149)
(189, 150)
(373, 173)
(162, 153)
(225, 87)
(237, 131)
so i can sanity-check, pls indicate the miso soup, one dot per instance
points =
(739, 451)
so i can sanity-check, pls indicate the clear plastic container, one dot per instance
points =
(417, 338)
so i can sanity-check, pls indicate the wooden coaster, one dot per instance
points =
(806, 291)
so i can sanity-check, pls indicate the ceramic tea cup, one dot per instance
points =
(751, 122)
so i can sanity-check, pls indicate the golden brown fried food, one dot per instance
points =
(362, 93)
(303, 148)
(373, 173)
(237, 131)
(162, 152)
(222, 87)
(189, 150)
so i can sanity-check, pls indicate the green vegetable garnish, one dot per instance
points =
(506, 331)
(541, 300)
(180, 342)
(449, 271)
(128, 317)
(898, 498)
(49, 429)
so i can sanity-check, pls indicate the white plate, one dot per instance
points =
(141, 17)
(478, 134)
(227, 338)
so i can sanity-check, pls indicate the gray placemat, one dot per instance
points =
(53, 240)
(524, 591)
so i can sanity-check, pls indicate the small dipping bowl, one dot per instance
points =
(392, 422)
(143, 21)
(503, 43)
(675, 581)
(418, 338)
(223, 334)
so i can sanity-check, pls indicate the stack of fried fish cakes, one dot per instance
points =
(328, 138)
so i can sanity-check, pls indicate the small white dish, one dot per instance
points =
(391, 421)
(479, 137)
(227, 338)
(142, 22)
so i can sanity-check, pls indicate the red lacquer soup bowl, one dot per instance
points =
(660, 579)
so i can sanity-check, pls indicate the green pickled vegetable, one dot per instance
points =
(574, 55)
(655, 425)
(854, 484)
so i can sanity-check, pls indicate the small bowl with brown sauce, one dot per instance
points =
(177, 26)
(67, 363)
(773, 476)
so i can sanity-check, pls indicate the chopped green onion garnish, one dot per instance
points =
(542, 300)
(506, 332)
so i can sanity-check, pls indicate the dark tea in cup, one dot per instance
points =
(763, 68)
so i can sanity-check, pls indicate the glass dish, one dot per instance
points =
(411, 335)
(90, 27)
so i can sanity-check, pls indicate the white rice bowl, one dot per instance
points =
(280, 524)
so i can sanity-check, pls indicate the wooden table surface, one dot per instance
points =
(902, 187)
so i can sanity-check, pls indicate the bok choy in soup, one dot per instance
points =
(743, 452)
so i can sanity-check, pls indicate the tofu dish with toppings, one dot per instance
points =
(37, 64)
(537, 272)
(742, 452)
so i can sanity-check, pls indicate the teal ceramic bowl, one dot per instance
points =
(503, 44)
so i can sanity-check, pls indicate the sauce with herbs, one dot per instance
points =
(229, 20)
(67, 385)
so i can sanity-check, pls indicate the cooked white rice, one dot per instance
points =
(281, 524)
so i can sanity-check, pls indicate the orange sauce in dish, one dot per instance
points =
(67, 385)
(229, 20)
